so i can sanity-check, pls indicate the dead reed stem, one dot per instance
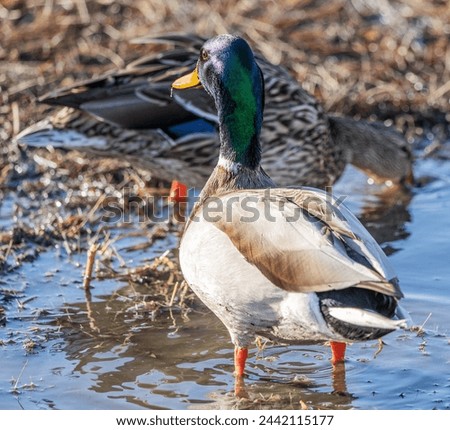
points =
(92, 251)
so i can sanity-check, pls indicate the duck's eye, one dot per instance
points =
(204, 55)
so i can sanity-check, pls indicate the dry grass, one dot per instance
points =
(387, 58)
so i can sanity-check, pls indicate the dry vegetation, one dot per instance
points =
(385, 59)
(359, 57)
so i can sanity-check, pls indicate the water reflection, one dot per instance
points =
(173, 361)
(386, 214)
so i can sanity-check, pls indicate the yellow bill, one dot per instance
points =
(187, 81)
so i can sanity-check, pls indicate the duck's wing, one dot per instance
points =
(139, 96)
(303, 240)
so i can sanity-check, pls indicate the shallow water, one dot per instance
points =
(104, 352)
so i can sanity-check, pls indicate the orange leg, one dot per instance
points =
(178, 192)
(240, 356)
(337, 352)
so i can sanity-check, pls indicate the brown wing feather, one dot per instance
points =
(308, 255)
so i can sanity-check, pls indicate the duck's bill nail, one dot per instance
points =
(187, 81)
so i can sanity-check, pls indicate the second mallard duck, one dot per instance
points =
(129, 114)
(288, 264)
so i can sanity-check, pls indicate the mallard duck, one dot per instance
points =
(130, 114)
(287, 264)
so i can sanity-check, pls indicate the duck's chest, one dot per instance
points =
(220, 275)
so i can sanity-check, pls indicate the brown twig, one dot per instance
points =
(380, 348)
(89, 265)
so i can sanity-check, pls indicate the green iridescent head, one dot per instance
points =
(228, 71)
